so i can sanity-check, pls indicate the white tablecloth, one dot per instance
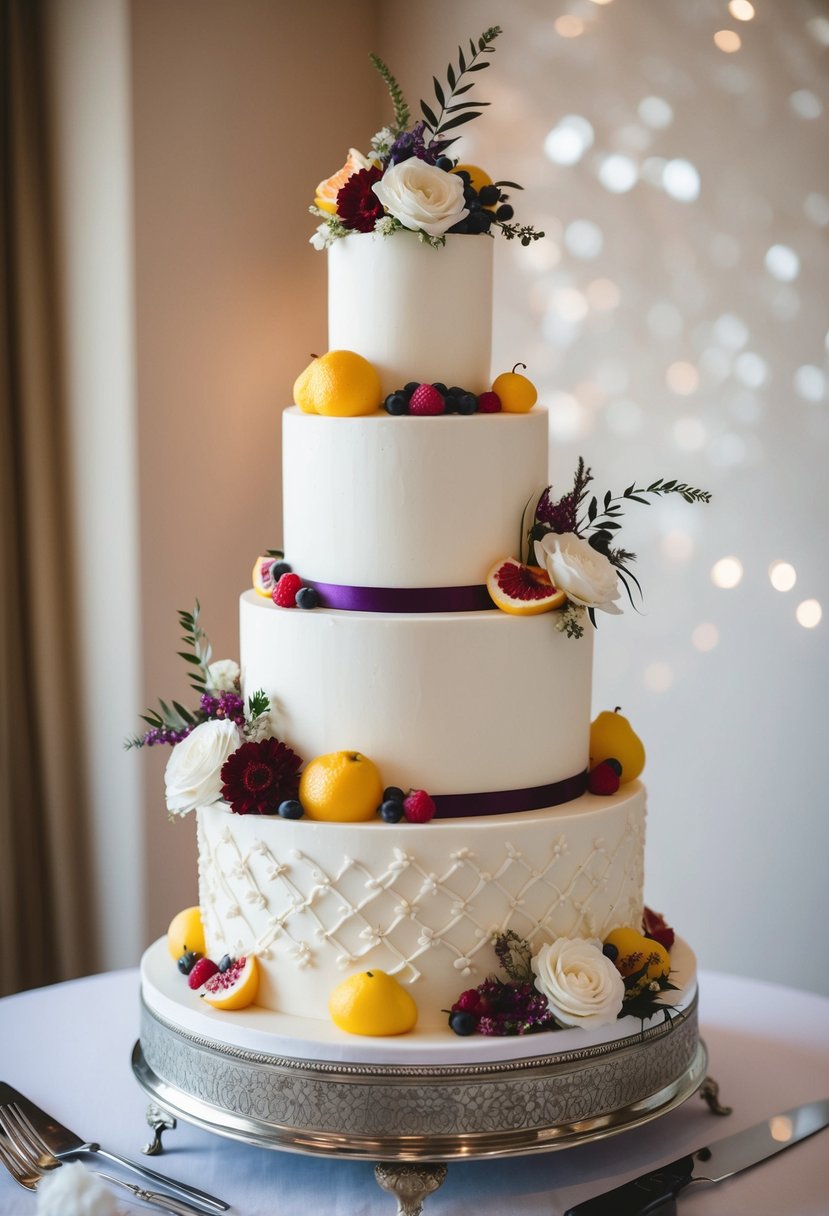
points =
(68, 1048)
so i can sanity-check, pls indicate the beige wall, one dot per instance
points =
(236, 116)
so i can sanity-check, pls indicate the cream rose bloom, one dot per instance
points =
(193, 774)
(582, 986)
(223, 675)
(587, 577)
(421, 197)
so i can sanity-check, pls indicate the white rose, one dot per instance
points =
(422, 197)
(193, 774)
(223, 675)
(582, 986)
(586, 576)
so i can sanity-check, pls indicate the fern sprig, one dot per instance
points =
(402, 114)
(452, 113)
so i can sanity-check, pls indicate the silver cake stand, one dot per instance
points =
(413, 1119)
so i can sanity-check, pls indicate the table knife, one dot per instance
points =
(656, 1191)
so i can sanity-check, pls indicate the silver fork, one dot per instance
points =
(28, 1159)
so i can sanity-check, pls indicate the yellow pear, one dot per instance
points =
(339, 384)
(613, 738)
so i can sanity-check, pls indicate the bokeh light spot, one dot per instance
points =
(567, 418)
(658, 677)
(751, 369)
(818, 27)
(731, 331)
(583, 239)
(664, 320)
(810, 383)
(568, 141)
(728, 41)
(816, 208)
(782, 263)
(568, 26)
(678, 546)
(690, 434)
(741, 10)
(656, 112)
(809, 614)
(727, 573)
(682, 378)
(618, 174)
(602, 294)
(782, 576)
(705, 637)
(806, 104)
(680, 179)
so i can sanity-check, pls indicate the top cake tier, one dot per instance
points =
(415, 312)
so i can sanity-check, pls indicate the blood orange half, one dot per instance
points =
(522, 590)
(235, 988)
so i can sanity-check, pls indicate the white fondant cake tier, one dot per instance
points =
(381, 501)
(319, 901)
(454, 703)
(279, 1034)
(415, 312)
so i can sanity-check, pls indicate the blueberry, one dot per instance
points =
(450, 403)
(225, 963)
(291, 808)
(615, 765)
(610, 951)
(188, 961)
(391, 810)
(489, 195)
(278, 569)
(393, 791)
(444, 163)
(462, 1023)
(480, 221)
(441, 387)
(504, 212)
(396, 404)
(467, 404)
(464, 176)
(409, 388)
(307, 597)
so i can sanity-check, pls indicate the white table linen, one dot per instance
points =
(68, 1048)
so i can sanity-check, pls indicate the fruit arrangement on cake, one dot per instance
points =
(400, 830)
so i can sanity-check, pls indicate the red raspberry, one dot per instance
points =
(418, 807)
(284, 593)
(426, 400)
(201, 972)
(489, 403)
(467, 1002)
(604, 778)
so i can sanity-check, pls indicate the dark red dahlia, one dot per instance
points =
(258, 776)
(358, 206)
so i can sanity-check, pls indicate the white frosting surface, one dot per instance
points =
(454, 703)
(279, 1034)
(319, 901)
(407, 502)
(415, 312)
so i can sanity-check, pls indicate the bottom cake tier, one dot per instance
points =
(282, 1082)
(317, 901)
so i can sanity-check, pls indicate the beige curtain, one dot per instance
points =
(44, 880)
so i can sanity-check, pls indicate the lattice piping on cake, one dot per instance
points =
(406, 908)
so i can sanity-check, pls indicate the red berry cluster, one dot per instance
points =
(605, 778)
(430, 400)
(291, 592)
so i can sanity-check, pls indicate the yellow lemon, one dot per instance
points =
(185, 933)
(341, 787)
(637, 952)
(373, 1003)
(339, 384)
(478, 178)
(613, 738)
(235, 988)
(516, 393)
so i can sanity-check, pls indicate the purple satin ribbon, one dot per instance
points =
(507, 802)
(402, 599)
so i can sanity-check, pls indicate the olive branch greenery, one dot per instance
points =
(460, 111)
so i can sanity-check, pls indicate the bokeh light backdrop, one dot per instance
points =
(675, 319)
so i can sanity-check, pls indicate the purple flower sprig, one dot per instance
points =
(227, 705)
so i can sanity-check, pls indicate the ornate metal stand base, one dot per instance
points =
(410, 1184)
(710, 1093)
(160, 1122)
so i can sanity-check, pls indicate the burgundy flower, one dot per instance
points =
(560, 516)
(358, 206)
(656, 927)
(258, 776)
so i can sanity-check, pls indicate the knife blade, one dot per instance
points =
(66, 1145)
(657, 1190)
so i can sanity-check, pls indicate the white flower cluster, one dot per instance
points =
(582, 986)
(422, 197)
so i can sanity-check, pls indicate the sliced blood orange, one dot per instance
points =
(262, 578)
(235, 988)
(522, 590)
